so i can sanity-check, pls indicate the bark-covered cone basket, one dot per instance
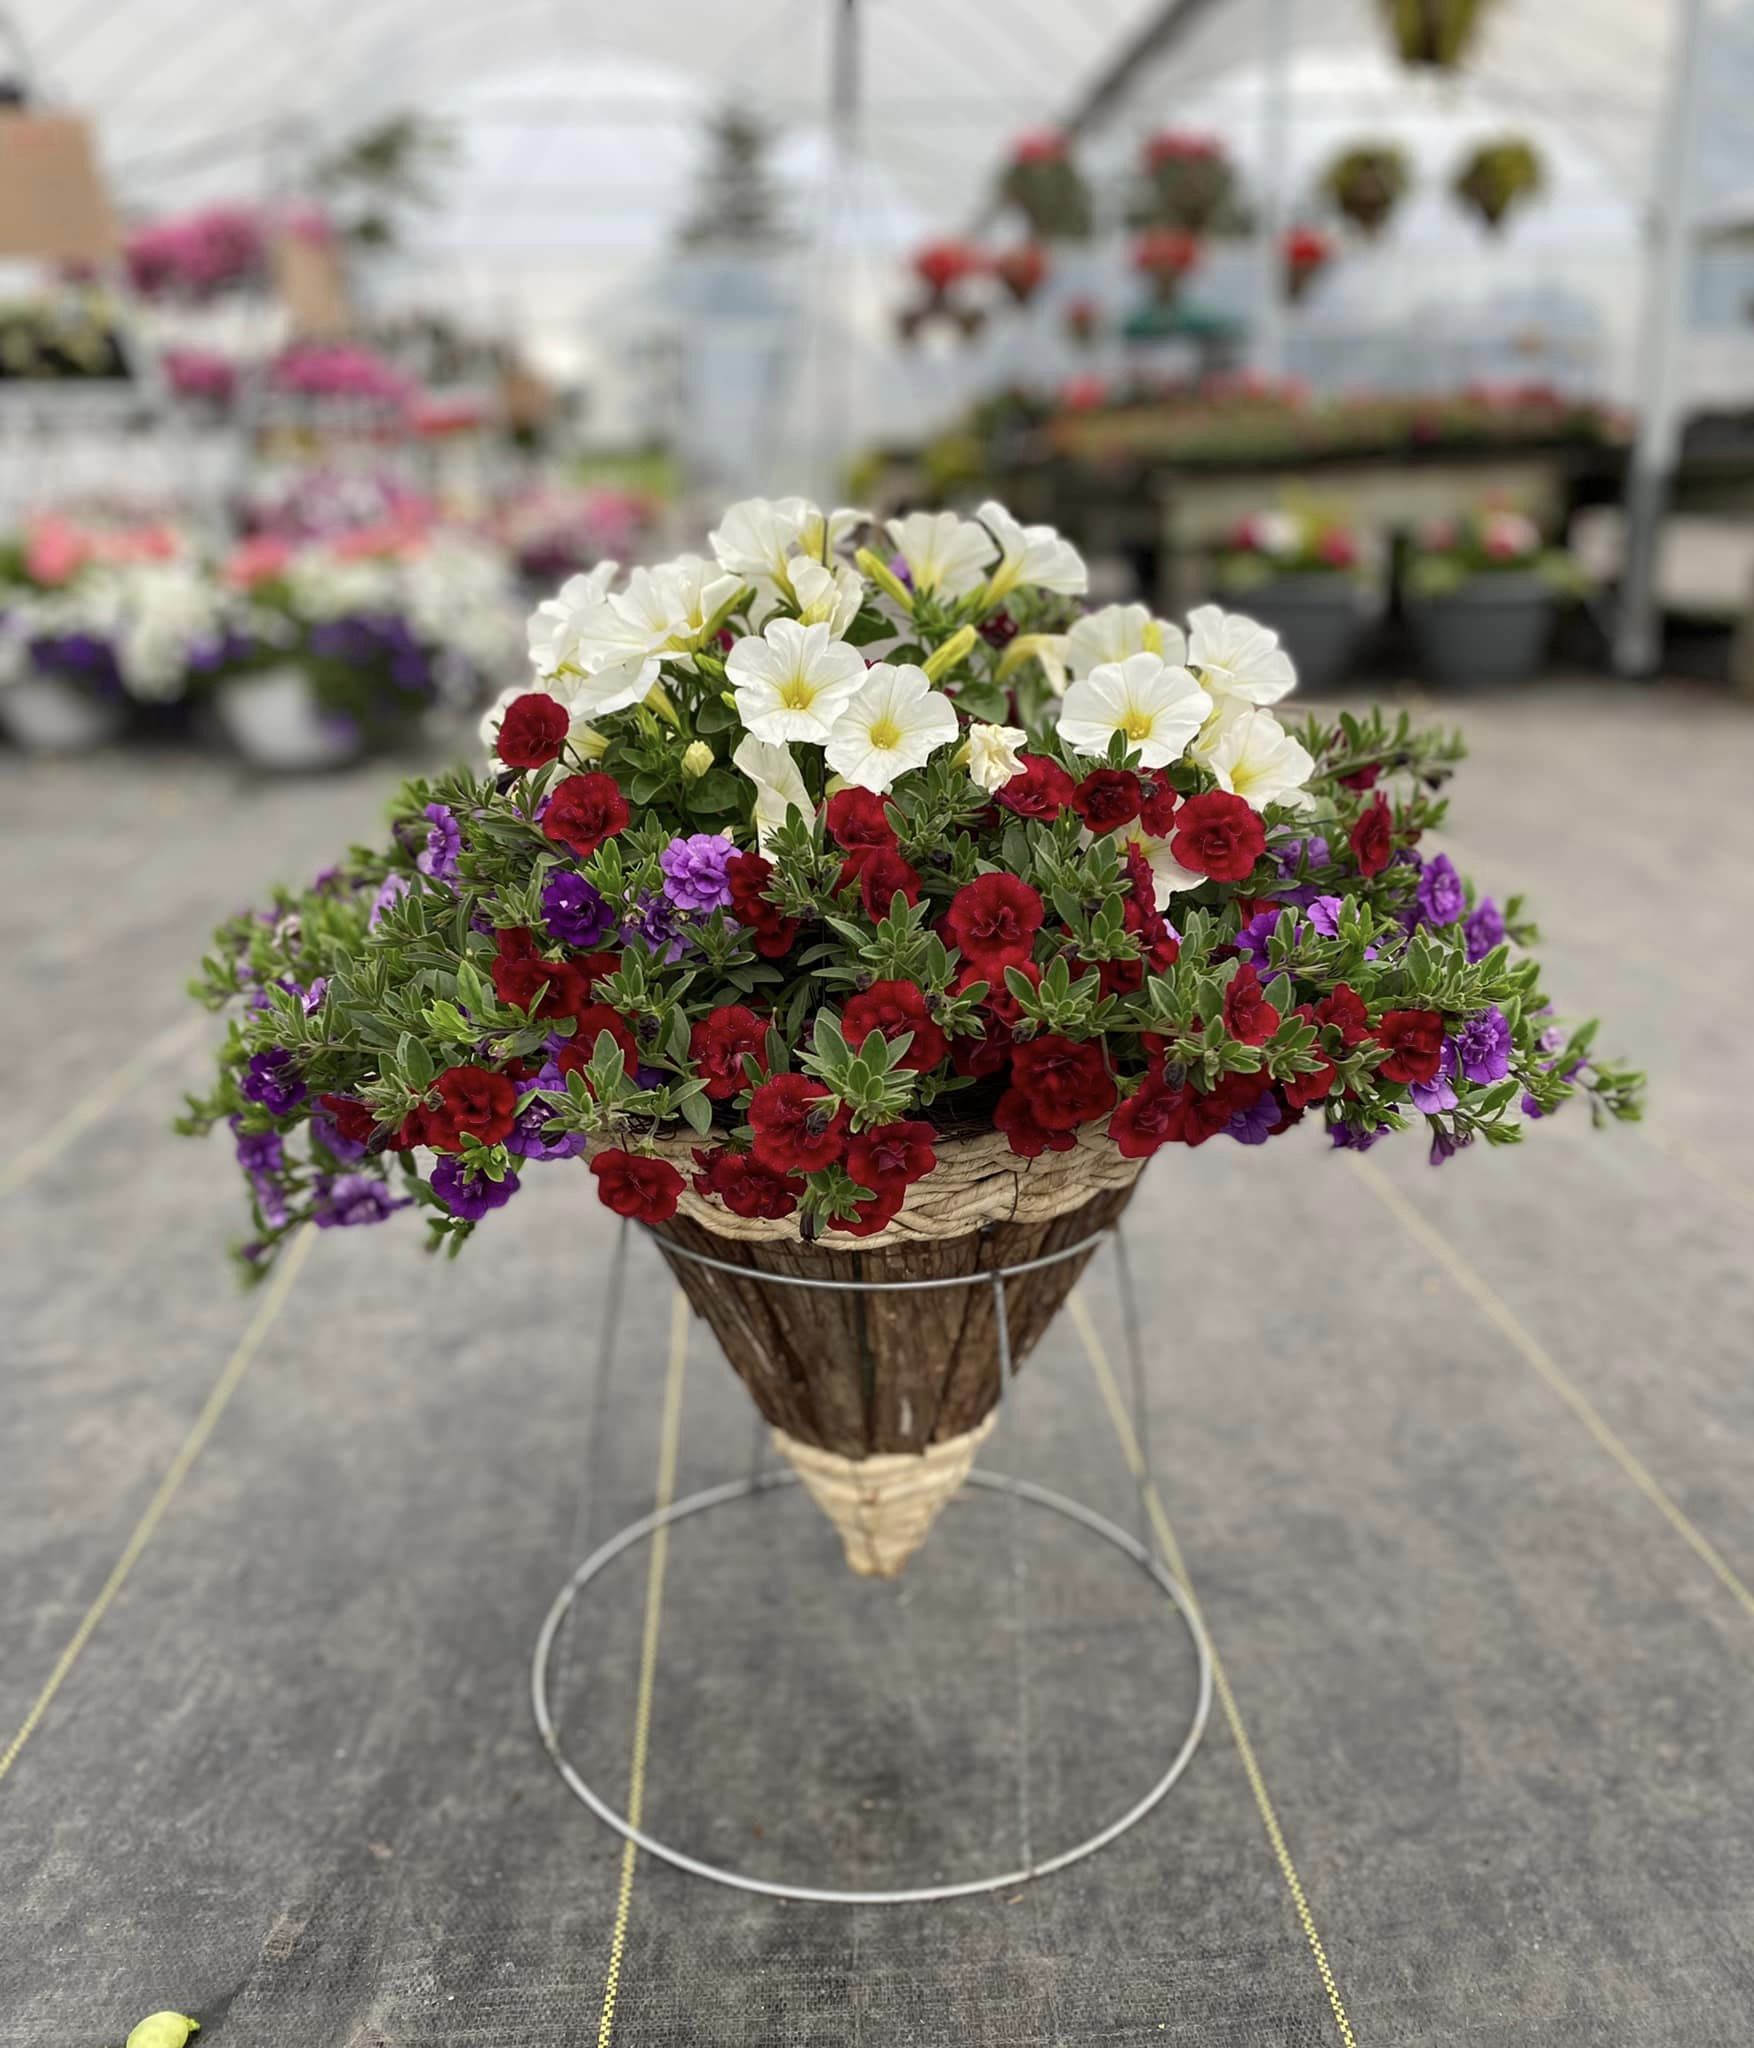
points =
(880, 1402)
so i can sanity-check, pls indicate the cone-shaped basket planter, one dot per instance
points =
(879, 1400)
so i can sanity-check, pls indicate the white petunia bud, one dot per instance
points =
(990, 754)
(696, 760)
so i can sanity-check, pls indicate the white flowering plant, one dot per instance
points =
(794, 862)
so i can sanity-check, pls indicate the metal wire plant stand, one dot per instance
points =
(1018, 1492)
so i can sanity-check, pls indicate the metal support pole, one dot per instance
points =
(834, 397)
(1668, 268)
(1270, 225)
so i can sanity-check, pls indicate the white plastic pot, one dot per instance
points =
(275, 721)
(48, 714)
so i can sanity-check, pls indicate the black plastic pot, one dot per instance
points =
(1488, 633)
(1321, 622)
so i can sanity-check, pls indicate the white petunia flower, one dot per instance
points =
(945, 556)
(1036, 555)
(1237, 657)
(1155, 706)
(896, 722)
(757, 538)
(1118, 631)
(1168, 876)
(1253, 756)
(615, 644)
(792, 682)
(828, 597)
(991, 754)
(779, 788)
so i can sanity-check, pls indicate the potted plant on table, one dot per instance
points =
(851, 909)
(1481, 595)
(1307, 576)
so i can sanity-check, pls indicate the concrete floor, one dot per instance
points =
(1460, 1465)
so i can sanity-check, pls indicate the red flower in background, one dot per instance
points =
(747, 876)
(1218, 835)
(1042, 790)
(1414, 1040)
(893, 1007)
(1248, 1016)
(533, 730)
(1108, 798)
(992, 921)
(583, 811)
(644, 1189)
(473, 1102)
(1372, 837)
(1065, 1082)
(720, 1042)
(798, 1128)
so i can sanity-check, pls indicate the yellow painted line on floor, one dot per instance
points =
(273, 1301)
(669, 1436)
(44, 1151)
(1536, 1354)
(1172, 1554)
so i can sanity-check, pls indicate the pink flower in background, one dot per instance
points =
(197, 254)
(257, 561)
(55, 551)
(341, 369)
(201, 373)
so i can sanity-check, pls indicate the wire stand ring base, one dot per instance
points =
(740, 1489)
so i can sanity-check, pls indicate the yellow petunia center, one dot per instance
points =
(797, 693)
(1137, 725)
(884, 732)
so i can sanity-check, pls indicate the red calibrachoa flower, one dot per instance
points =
(1108, 798)
(1154, 1117)
(744, 1186)
(892, 1155)
(1162, 948)
(798, 1129)
(719, 1044)
(1028, 1137)
(1372, 838)
(747, 876)
(590, 1023)
(1066, 1083)
(893, 1007)
(1248, 1016)
(858, 817)
(1414, 1041)
(881, 874)
(533, 730)
(1302, 1089)
(1158, 806)
(1218, 835)
(992, 921)
(473, 1102)
(868, 1218)
(583, 811)
(353, 1120)
(645, 1189)
(519, 971)
(1345, 1011)
(1042, 790)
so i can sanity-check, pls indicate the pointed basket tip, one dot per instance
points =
(884, 1506)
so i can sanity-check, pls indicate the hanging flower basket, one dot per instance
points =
(851, 908)
(1368, 183)
(942, 266)
(1046, 186)
(1022, 271)
(1433, 34)
(1165, 256)
(1187, 182)
(1307, 253)
(1082, 320)
(1498, 178)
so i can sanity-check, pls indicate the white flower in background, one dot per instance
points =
(1506, 535)
(792, 682)
(992, 755)
(896, 722)
(1156, 707)
(758, 538)
(325, 584)
(1036, 555)
(945, 556)
(826, 596)
(1276, 533)
(1119, 631)
(551, 624)
(1238, 657)
(618, 642)
(457, 595)
(779, 788)
(1253, 756)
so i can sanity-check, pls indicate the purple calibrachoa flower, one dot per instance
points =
(272, 1080)
(344, 1151)
(313, 996)
(654, 926)
(575, 913)
(1256, 1124)
(1251, 941)
(1442, 899)
(1324, 914)
(527, 1139)
(346, 1199)
(1446, 1143)
(269, 1199)
(1484, 929)
(470, 1195)
(259, 1151)
(1346, 1139)
(694, 871)
(1483, 1046)
(1439, 1092)
(394, 889)
(438, 858)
